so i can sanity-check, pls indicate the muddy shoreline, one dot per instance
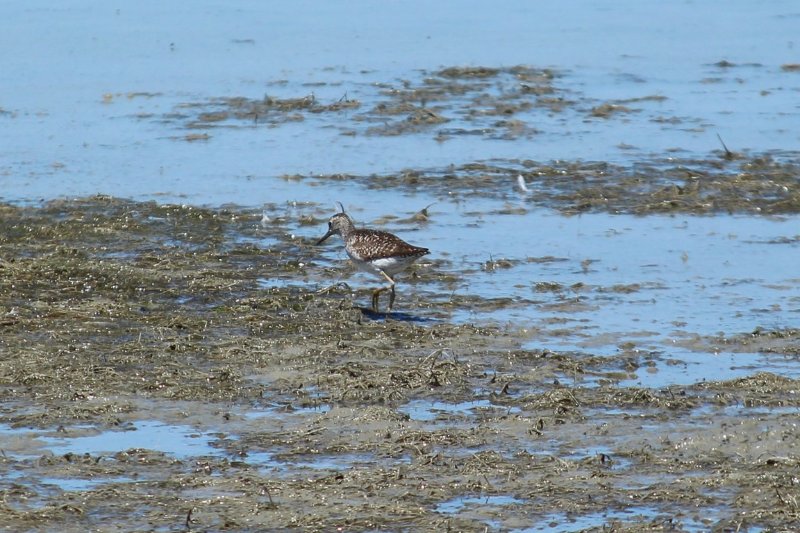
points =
(308, 412)
(604, 336)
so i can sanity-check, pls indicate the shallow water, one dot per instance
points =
(427, 411)
(564, 522)
(179, 441)
(121, 70)
(600, 283)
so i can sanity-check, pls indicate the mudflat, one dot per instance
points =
(178, 368)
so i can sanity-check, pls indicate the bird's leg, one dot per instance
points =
(390, 287)
(375, 294)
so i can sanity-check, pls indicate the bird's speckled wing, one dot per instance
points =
(371, 244)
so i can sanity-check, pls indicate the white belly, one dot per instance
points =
(390, 265)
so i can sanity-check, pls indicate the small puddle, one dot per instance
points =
(681, 367)
(262, 460)
(687, 368)
(678, 521)
(429, 410)
(81, 485)
(269, 465)
(283, 411)
(72, 484)
(176, 440)
(456, 505)
(572, 522)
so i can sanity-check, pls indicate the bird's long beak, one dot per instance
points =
(325, 237)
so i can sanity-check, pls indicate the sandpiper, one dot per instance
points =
(377, 252)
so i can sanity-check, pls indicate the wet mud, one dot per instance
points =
(512, 104)
(480, 100)
(178, 368)
(722, 183)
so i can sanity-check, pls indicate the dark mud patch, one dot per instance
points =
(453, 101)
(763, 184)
(268, 110)
(781, 342)
(290, 409)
